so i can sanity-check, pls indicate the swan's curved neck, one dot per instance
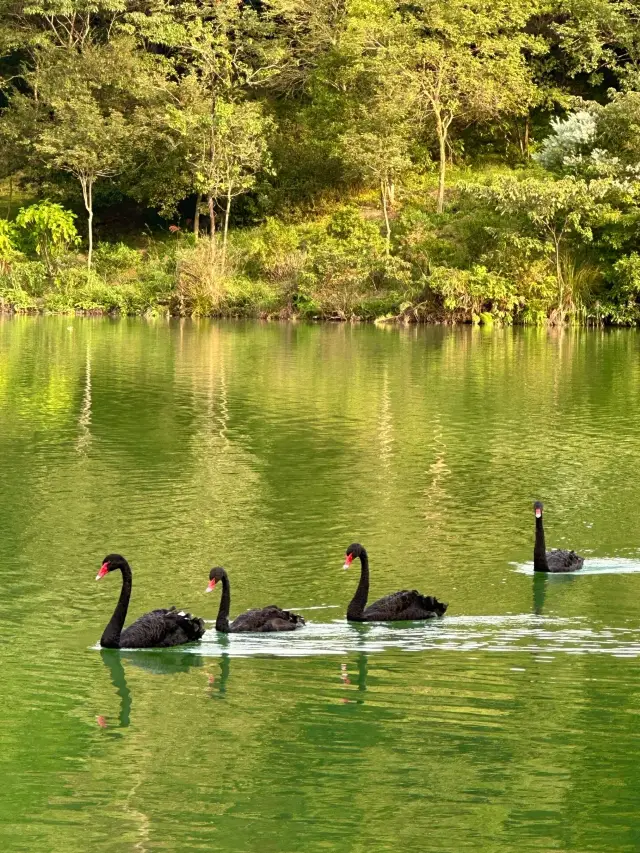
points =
(222, 619)
(359, 600)
(111, 637)
(540, 551)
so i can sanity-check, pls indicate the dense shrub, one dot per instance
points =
(512, 247)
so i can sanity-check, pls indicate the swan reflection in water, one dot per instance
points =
(539, 592)
(218, 684)
(541, 582)
(348, 680)
(154, 662)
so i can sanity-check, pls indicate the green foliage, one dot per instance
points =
(618, 128)
(8, 245)
(346, 263)
(219, 113)
(468, 294)
(22, 284)
(50, 229)
(116, 259)
(274, 252)
(624, 308)
(550, 217)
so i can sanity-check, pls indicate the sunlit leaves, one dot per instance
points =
(51, 228)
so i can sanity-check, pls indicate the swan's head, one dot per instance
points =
(215, 575)
(110, 563)
(537, 508)
(353, 551)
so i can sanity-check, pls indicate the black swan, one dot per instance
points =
(270, 618)
(157, 629)
(404, 606)
(552, 561)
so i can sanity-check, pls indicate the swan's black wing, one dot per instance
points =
(162, 628)
(564, 561)
(406, 605)
(267, 619)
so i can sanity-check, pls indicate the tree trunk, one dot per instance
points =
(442, 140)
(383, 195)
(525, 141)
(90, 255)
(391, 192)
(196, 215)
(226, 228)
(449, 152)
(87, 195)
(212, 229)
(10, 199)
(560, 278)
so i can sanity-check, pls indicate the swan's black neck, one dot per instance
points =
(359, 600)
(111, 637)
(540, 551)
(222, 619)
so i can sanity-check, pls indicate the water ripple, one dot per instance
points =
(592, 566)
(517, 633)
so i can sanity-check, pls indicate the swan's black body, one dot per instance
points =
(404, 606)
(552, 561)
(267, 619)
(157, 629)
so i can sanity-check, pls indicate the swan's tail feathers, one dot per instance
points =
(286, 615)
(193, 626)
(439, 607)
(291, 618)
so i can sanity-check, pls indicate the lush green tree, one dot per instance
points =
(216, 136)
(601, 35)
(618, 128)
(86, 142)
(464, 62)
(35, 27)
(377, 148)
(548, 214)
(242, 130)
(85, 120)
(222, 147)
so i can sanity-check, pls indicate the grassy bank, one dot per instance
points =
(468, 265)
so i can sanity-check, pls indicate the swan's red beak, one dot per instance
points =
(538, 512)
(348, 561)
(212, 583)
(104, 568)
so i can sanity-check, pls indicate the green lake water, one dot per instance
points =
(513, 724)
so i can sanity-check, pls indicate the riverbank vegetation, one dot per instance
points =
(458, 161)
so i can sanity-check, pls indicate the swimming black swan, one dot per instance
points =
(551, 561)
(270, 618)
(404, 606)
(157, 629)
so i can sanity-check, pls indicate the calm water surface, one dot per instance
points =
(512, 724)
